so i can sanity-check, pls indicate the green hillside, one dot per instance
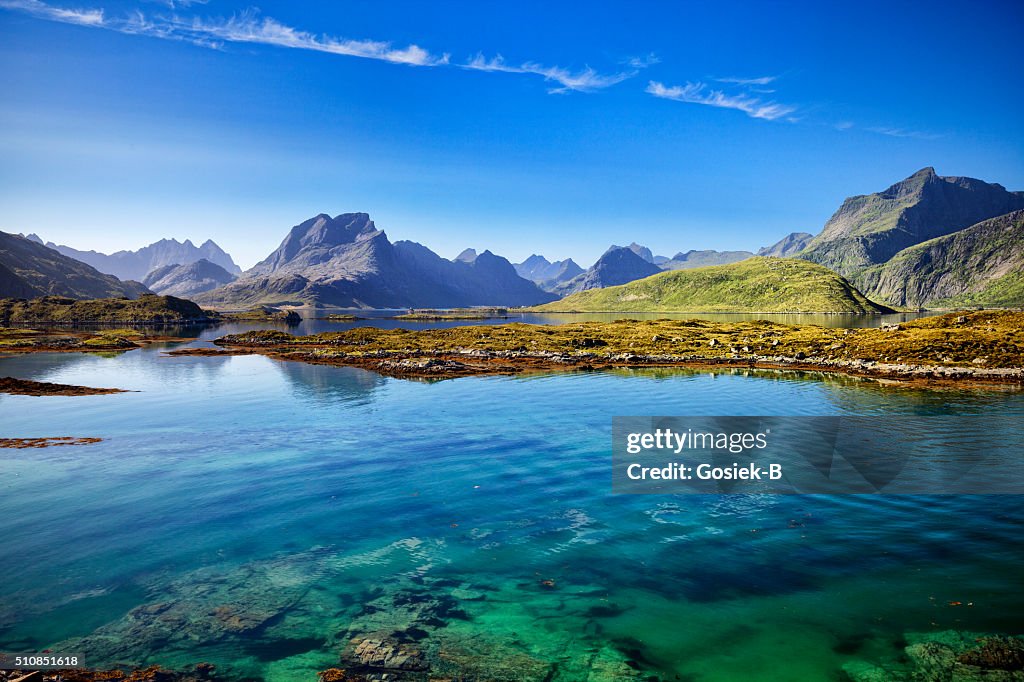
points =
(1004, 292)
(755, 285)
(147, 309)
(980, 265)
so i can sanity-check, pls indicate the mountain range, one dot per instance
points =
(547, 274)
(29, 270)
(928, 240)
(793, 243)
(189, 279)
(136, 265)
(699, 259)
(346, 261)
(618, 265)
(871, 230)
(756, 284)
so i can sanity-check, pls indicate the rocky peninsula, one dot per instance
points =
(984, 346)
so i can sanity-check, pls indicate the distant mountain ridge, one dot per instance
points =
(700, 259)
(791, 244)
(136, 265)
(346, 261)
(754, 285)
(189, 279)
(29, 270)
(618, 265)
(548, 275)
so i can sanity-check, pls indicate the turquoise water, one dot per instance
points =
(260, 514)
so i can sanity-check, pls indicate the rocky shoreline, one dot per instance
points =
(982, 348)
(13, 386)
(421, 364)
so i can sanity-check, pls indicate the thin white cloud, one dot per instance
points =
(251, 28)
(643, 62)
(585, 80)
(763, 80)
(174, 4)
(843, 125)
(699, 93)
(903, 132)
(37, 8)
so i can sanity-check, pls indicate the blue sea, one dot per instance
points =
(259, 515)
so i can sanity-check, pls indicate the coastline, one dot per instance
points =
(982, 347)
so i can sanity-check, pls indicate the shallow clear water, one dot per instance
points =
(263, 513)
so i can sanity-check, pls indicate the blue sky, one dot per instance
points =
(519, 127)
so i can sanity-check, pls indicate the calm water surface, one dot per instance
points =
(259, 514)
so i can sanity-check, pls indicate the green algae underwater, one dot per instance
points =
(262, 516)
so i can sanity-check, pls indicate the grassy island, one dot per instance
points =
(147, 309)
(982, 346)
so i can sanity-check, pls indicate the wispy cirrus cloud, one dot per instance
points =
(699, 93)
(42, 10)
(902, 132)
(175, 4)
(585, 80)
(249, 27)
(763, 80)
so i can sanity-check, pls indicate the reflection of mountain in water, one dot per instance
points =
(326, 384)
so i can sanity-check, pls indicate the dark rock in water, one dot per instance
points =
(383, 653)
(996, 653)
(947, 656)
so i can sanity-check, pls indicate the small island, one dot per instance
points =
(985, 346)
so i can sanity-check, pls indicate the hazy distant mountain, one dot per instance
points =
(618, 265)
(979, 265)
(871, 229)
(754, 285)
(346, 261)
(28, 269)
(546, 274)
(791, 244)
(700, 259)
(137, 264)
(189, 279)
(467, 256)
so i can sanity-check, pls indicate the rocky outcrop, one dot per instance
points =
(188, 280)
(947, 656)
(29, 269)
